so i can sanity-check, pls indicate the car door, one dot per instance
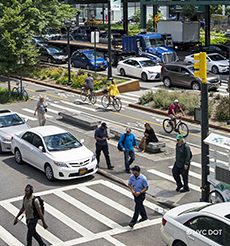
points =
(26, 146)
(37, 152)
(129, 67)
(209, 64)
(84, 60)
(173, 72)
(184, 77)
(43, 54)
(77, 59)
(137, 69)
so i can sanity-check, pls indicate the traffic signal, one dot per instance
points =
(201, 65)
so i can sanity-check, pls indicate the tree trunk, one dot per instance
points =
(8, 76)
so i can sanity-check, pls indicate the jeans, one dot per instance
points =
(31, 225)
(176, 175)
(105, 150)
(129, 161)
(139, 208)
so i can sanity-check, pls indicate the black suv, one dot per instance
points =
(84, 32)
(182, 75)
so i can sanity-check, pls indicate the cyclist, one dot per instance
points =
(172, 112)
(113, 91)
(89, 83)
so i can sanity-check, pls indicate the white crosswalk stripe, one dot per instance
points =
(87, 235)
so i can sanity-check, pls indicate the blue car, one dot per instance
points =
(86, 59)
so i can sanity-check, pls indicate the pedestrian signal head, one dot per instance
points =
(201, 66)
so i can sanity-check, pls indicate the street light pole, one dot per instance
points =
(109, 41)
(68, 25)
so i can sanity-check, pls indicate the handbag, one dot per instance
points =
(119, 146)
(46, 110)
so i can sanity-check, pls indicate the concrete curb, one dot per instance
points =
(156, 111)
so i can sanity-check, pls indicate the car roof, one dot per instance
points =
(47, 130)
(219, 209)
(139, 58)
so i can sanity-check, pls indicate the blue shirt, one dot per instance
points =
(138, 183)
(101, 133)
(128, 143)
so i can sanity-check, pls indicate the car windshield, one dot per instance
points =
(60, 142)
(154, 42)
(217, 57)
(53, 50)
(148, 63)
(92, 56)
(10, 120)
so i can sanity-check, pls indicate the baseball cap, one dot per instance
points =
(176, 101)
(136, 168)
(104, 125)
(128, 129)
(179, 136)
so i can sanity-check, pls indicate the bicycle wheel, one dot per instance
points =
(167, 126)
(15, 91)
(25, 95)
(117, 104)
(183, 129)
(93, 98)
(83, 94)
(104, 101)
(215, 197)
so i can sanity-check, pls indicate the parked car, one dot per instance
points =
(52, 54)
(84, 32)
(116, 39)
(54, 151)
(93, 22)
(63, 37)
(197, 224)
(216, 63)
(10, 123)
(116, 31)
(86, 59)
(139, 67)
(213, 48)
(38, 40)
(182, 75)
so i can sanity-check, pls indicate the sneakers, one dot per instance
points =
(131, 224)
(110, 167)
(142, 219)
(178, 188)
(184, 190)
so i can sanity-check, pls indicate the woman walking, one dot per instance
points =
(149, 136)
(41, 109)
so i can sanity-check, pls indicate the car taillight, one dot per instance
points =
(12, 138)
(164, 221)
(162, 69)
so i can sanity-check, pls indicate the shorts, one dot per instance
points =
(171, 116)
(87, 88)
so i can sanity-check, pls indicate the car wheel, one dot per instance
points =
(49, 172)
(87, 67)
(167, 82)
(179, 243)
(72, 64)
(18, 156)
(215, 70)
(195, 86)
(122, 72)
(49, 60)
(144, 76)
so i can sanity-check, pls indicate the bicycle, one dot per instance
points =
(91, 97)
(181, 127)
(115, 102)
(17, 92)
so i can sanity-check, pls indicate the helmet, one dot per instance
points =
(176, 101)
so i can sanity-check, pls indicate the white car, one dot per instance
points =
(54, 151)
(10, 123)
(140, 67)
(216, 63)
(197, 224)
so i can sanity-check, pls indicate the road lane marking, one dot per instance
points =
(32, 112)
(8, 238)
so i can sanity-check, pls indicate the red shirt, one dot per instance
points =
(173, 106)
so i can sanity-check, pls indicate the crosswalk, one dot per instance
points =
(81, 204)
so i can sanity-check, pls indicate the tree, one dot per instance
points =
(19, 20)
(188, 11)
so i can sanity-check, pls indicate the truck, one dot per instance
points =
(142, 45)
(184, 33)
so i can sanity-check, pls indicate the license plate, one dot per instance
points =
(82, 171)
(63, 59)
(216, 85)
(101, 66)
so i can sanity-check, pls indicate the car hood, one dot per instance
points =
(160, 50)
(156, 69)
(71, 155)
(211, 76)
(222, 62)
(97, 60)
(11, 130)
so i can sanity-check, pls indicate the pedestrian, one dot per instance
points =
(138, 184)
(101, 136)
(31, 220)
(126, 142)
(181, 165)
(41, 109)
(89, 83)
(149, 136)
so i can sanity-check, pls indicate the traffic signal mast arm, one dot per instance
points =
(201, 65)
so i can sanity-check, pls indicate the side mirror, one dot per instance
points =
(42, 148)
(26, 120)
(82, 141)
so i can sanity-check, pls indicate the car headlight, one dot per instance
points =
(151, 72)
(6, 139)
(93, 158)
(60, 164)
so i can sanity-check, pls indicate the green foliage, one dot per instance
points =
(148, 97)
(4, 96)
(222, 114)
(217, 40)
(188, 11)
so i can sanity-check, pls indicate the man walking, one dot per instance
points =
(182, 163)
(101, 144)
(31, 220)
(126, 142)
(138, 184)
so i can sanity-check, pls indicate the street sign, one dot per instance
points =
(156, 18)
(115, 4)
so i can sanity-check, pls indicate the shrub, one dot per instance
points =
(222, 113)
(148, 97)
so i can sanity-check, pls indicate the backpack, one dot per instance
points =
(189, 150)
(41, 201)
(119, 146)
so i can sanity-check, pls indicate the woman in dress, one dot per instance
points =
(149, 136)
